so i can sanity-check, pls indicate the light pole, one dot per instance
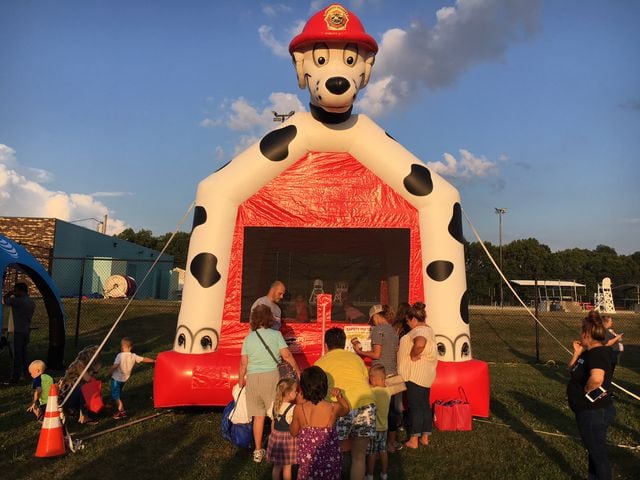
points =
(500, 212)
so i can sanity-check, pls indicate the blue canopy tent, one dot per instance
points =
(13, 254)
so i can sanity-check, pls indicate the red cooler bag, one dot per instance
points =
(92, 393)
(454, 414)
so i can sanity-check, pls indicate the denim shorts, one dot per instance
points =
(116, 389)
(360, 422)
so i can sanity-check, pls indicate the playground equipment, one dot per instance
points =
(603, 298)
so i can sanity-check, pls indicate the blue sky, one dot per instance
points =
(121, 107)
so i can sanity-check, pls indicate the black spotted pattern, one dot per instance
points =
(464, 307)
(222, 166)
(439, 270)
(204, 268)
(275, 145)
(419, 182)
(199, 216)
(455, 225)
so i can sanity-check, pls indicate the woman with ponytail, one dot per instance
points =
(417, 361)
(589, 393)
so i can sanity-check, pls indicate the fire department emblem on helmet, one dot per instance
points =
(336, 17)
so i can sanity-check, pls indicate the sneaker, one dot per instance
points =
(119, 415)
(258, 455)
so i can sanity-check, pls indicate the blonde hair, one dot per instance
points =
(284, 386)
(39, 364)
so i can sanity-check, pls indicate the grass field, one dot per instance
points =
(530, 434)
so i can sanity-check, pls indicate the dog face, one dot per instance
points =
(333, 72)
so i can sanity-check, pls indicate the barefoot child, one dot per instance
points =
(41, 386)
(121, 371)
(313, 425)
(281, 450)
(378, 444)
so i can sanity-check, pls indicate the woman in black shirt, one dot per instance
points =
(589, 394)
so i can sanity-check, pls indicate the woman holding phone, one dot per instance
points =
(589, 396)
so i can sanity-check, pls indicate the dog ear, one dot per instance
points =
(368, 64)
(298, 61)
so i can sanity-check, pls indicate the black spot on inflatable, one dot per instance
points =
(439, 270)
(222, 166)
(204, 268)
(275, 145)
(455, 225)
(387, 134)
(418, 182)
(199, 216)
(464, 308)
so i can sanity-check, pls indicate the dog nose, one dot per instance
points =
(337, 85)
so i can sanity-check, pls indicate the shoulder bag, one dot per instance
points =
(284, 368)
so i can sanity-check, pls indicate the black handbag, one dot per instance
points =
(285, 370)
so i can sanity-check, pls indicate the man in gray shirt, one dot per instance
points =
(271, 299)
(22, 308)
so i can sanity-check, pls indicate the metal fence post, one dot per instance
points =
(537, 318)
(80, 291)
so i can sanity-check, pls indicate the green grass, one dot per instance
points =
(527, 399)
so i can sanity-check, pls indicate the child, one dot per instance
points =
(282, 446)
(313, 425)
(41, 386)
(121, 371)
(378, 444)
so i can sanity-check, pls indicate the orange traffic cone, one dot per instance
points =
(51, 443)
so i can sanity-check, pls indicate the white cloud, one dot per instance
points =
(111, 194)
(243, 116)
(471, 32)
(210, 122)
(278, 48)
(275, 9)
(22, 195)
(219, 153)
(468, 167)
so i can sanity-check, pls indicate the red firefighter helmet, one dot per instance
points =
(334, 23)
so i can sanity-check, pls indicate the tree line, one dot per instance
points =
(530, 260)
(525, 259)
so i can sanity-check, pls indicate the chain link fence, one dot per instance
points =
(507, 334)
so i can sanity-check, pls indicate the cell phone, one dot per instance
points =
(595, 394)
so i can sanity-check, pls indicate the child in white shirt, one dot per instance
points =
(121, 371)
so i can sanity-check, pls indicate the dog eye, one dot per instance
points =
(350, 54)
(320, 54)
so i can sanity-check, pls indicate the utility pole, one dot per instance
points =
(500, 212)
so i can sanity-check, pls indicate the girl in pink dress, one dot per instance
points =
(313, 425)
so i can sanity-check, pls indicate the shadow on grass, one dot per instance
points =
(542, 410)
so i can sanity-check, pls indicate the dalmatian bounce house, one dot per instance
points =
(328, 203)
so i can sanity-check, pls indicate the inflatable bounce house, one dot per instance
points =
(328, 203)
(14, 255)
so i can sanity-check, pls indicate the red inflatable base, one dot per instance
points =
(205, 379)
(472, 376)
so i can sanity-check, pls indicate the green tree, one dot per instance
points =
(178, 247)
